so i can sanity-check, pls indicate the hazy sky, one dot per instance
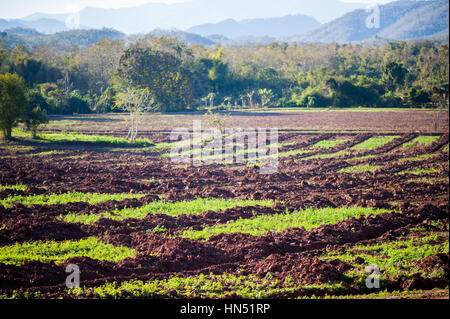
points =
(14, 9)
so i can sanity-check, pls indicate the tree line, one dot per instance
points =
(181, 77)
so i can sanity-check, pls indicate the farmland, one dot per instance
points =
(353, 189)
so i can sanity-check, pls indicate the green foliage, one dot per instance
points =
(395, 259)
(326, 156)
(45, 251)
(374, 142)
(421, 140)
(419, 171)
(160, 72)
(13, 102)
(360, 169)
(72, 137)
(308, 218)
(85, 76)
(203, 286)
(329, 143)
(18, 187)
(34, 118)
(195, 207)
(70, 197)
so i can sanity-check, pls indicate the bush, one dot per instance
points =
(390, 99)
(311, 97)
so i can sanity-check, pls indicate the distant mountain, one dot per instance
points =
(43, 25)
(61, 41)
(183, 15)
(273, 27)
(401, 20)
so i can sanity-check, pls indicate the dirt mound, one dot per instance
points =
(305, 270)
(28, 227)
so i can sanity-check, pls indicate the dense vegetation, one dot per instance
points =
(87, 78)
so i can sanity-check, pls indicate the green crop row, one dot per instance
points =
(58, 252)
(307, 218)
(195, 207)
(69, 197)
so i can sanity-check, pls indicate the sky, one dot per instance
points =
(16, 9)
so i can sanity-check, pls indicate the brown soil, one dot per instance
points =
(297, 184)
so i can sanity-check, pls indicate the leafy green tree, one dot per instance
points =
(34, 118)
(161, 73)
(13, 102)
(266, 96)
(394, 74)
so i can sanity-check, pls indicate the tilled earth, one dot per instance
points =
(293, 253)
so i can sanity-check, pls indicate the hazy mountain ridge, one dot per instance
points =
(147, 17)
(274, 27)
(401, 20)
(42, 25)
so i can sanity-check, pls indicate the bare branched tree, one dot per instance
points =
(136, 102)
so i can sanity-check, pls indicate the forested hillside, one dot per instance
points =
(87, 78)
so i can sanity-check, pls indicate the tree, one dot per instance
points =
(210, 97)
(250, 96)
(136, 102)
(394, 75)
(161, 73)
(13, 102)
(36, 113)
(266, 96)
(34, 118)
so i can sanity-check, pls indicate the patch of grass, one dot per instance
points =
(221, 156)
(307, 218)
(15, 147)
(360, 168)
(394, 258)
(419, 171)
(202, 286)
(408, 294)
(70, 197)
(46, 251)
(446, 149)
(428, 180)
(418, 158)
(361, 158)
(17, 187)
(71, 137)
(326, 156)
(374, 142)
(46, 153)
(421, 140)
(195, 207)
(329, 143)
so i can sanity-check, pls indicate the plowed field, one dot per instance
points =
(343, 203)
